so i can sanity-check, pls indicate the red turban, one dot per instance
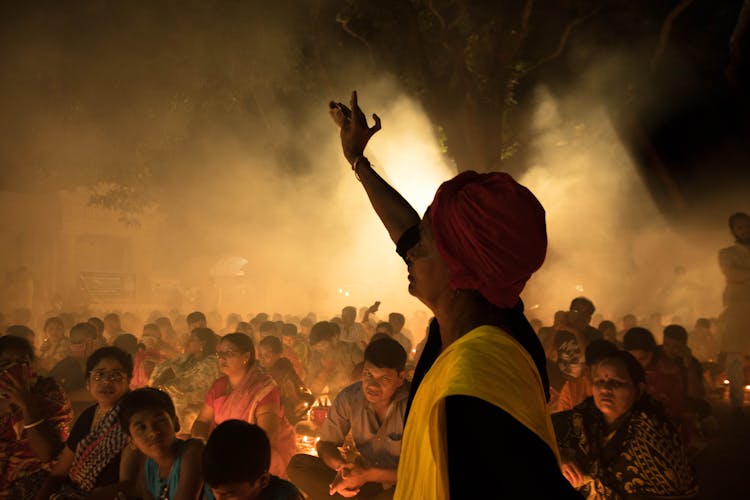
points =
(491, 232)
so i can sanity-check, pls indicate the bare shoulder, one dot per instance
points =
(194, 446)
(193, 450)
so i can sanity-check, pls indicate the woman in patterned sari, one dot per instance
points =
(619, 444)
(246, 393)
(96, 462)
(187, 377)
(35, 420)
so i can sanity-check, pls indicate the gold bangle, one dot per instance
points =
(356, 160)
(355, 164)
(35, 424)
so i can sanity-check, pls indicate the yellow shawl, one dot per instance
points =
(486, 363)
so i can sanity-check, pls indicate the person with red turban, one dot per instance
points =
(477, 423)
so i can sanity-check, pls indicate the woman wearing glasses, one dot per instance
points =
(619, 443)
(96, 462)
(247, 393)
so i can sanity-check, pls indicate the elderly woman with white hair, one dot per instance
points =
(478, 425)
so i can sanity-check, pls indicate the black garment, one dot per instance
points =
(491, 454)
(590, 334)
(111, 473)
(280, 489)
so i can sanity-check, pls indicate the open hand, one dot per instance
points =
(354, 131)
(572, 473)
(349, 479)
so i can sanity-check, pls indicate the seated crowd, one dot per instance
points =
(88, 410)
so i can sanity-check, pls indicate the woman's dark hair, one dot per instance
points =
(98, 324)
(289, 330)
(736, 217)
(245, 327)
(269, 327)
(13, 343)
(207, 336)
(606, 325)
(110, 352)
(379, 335)
(597, 350)
(273, 343)
(195, 317)
(386, 353)
(22, 331)
(386, 325)
(676, 332)
(146, 398)
(165, 323)
(127, 342)
(639, 339)
(153, 328)
(242, 342)
(53, 320)
(320, 331)
(85, 329)
(632, 366)
(236, 452)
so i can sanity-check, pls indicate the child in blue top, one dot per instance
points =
(172, 469)
(235, 465)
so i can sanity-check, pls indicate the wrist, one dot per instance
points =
(358, 160)
(358, 163)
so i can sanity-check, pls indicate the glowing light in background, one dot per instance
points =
(603, 224)
(409, 155)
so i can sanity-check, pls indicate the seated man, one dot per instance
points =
(373, 409)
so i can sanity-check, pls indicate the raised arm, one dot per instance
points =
(393, 210)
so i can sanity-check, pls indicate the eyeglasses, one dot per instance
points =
(610, 385)
(113, 376)
(226, 354)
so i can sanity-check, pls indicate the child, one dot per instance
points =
(235, 465)
(172, 469)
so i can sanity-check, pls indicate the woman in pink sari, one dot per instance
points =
(246, 393)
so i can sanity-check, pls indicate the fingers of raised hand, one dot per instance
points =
(377, 125)
(337, 115)
(339, 112)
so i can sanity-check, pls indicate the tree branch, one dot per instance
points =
(435, 13)
(564, 38)
(344, 22)
(666, 30)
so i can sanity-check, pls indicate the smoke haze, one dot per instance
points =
(255, 208)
